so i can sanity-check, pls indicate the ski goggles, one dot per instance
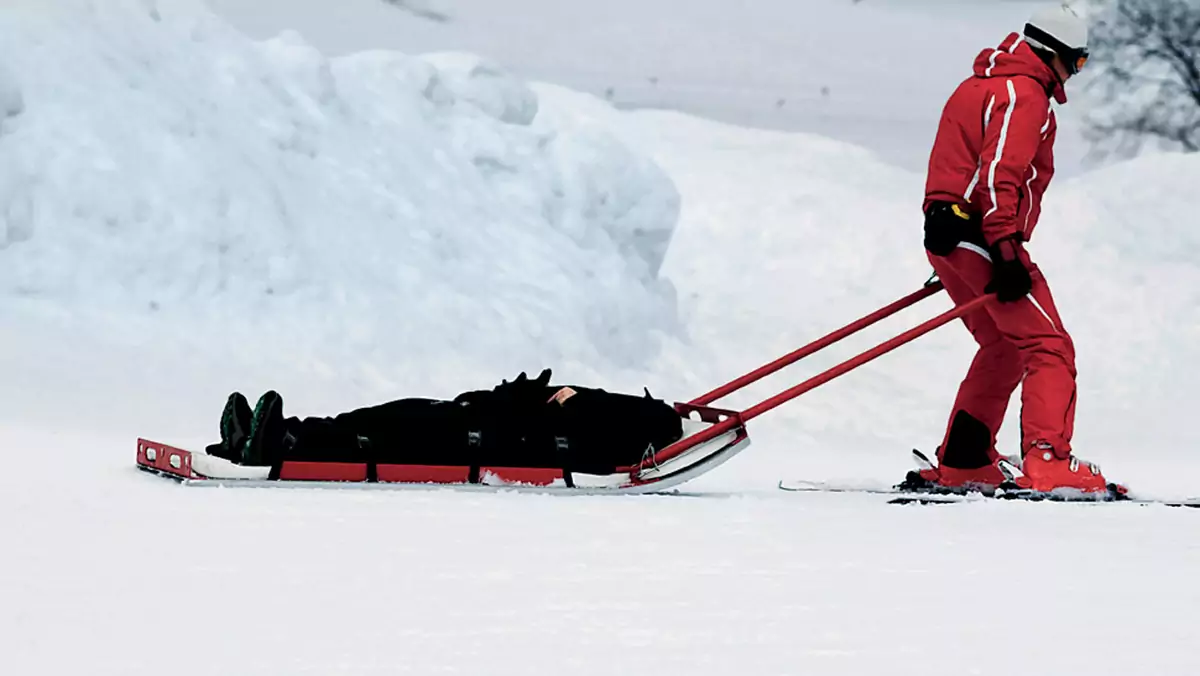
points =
(1076, 60)
(1073, 58)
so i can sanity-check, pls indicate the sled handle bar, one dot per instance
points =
(819, 344)
(870, 355)
(739, 419)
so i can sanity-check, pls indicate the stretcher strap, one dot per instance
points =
(474, 441)
(368, 449)
(563, 446)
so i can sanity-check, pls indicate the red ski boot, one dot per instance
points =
(1044, 472)
(966, 462)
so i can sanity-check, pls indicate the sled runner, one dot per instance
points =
(705, 438)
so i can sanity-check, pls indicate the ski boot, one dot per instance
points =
(1044, 472)
(933, 478)
(235, 426)
(269, 434)
(967, 462)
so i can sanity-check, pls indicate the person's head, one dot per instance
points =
(1060, 37)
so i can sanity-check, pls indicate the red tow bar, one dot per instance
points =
(739, 419)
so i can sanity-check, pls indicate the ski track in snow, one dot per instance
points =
(779, 238)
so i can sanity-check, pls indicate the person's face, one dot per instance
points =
(1064, 73)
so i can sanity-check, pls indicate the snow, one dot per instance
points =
(870, 73)
(186, 211)
(284, 181)
(288, 582)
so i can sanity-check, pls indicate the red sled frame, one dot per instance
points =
(722, 436)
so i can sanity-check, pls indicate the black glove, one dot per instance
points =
(945, 226)
(1010, 278)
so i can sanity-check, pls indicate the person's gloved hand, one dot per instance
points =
(945, 227)
(1010, 278)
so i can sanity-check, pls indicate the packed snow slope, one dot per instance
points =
(186, 211)
(111, 573)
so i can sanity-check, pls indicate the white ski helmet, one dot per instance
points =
(1060, 30)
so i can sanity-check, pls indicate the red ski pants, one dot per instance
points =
(1021, 343)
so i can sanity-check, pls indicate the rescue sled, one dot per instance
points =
(711, 436)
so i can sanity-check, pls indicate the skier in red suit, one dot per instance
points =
(992, 160)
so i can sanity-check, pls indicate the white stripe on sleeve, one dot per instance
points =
(1012, 103)
(974, 182)
(987, 119)
(1029, 196)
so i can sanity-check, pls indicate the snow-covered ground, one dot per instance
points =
(111, 573)
(187, 212)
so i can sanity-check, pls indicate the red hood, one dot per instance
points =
(1014, 56)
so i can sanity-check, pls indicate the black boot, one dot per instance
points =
(235, 426)
(268, 432)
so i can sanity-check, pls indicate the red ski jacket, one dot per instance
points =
(994, 151)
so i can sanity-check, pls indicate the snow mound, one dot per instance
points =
(161, 168)
(485, 85)
(1123, 256)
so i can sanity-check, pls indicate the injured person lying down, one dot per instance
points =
(523, 423)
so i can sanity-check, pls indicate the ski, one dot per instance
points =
(900, 496)
(950, 499)
(801, 486)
